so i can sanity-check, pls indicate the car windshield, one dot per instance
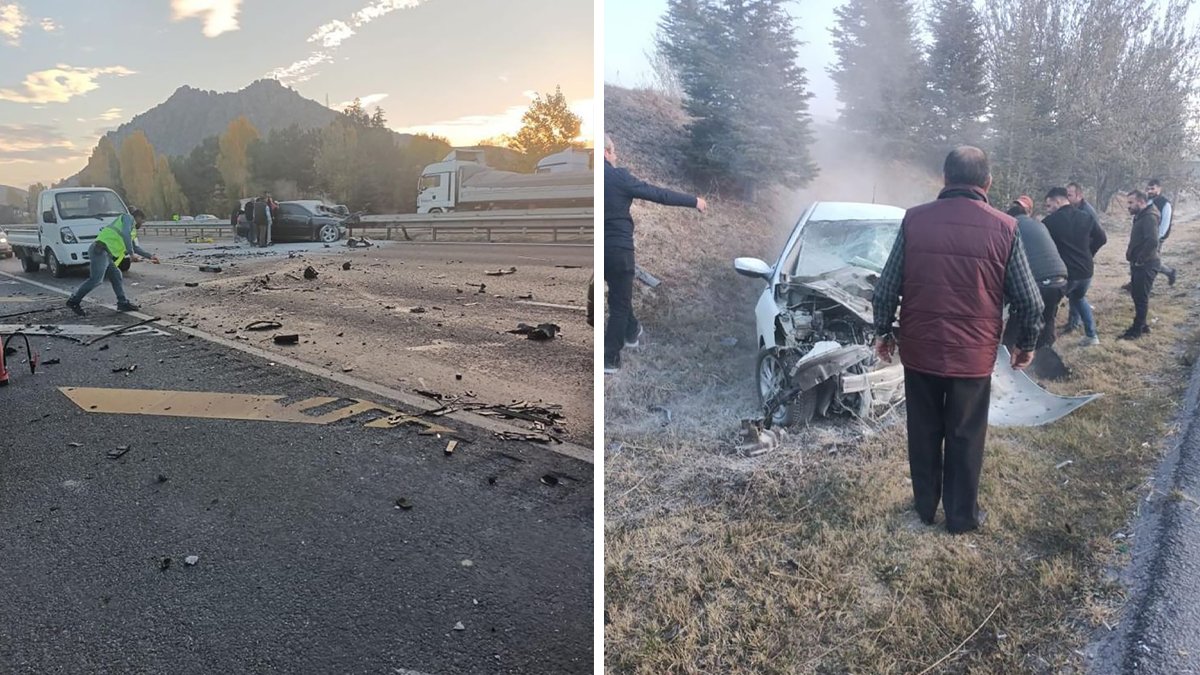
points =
(89, 204)
(828, 245)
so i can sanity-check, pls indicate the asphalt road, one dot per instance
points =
(1158, 632)
(405, 315)
(305, 562)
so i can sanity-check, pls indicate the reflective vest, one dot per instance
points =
(110, 236)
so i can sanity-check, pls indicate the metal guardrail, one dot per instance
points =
(550, 221)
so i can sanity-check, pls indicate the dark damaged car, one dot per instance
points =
(815, 326)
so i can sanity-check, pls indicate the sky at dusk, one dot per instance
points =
(71, 70)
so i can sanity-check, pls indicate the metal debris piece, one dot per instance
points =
(75, 445)
(287, 339)
(191, 560)
(125, 369)
(459, 626)
(1064, 464)
(310, 273)
(759, 440)
(542, 331)
(210, 268)
(264, 325)
(550, 479)
(1018, 401)
(403, 503)
(450, 447)
(51, 362)
(119, 451)
(346, 265)
(191, 284)
(527, 296)
(500, 273)
(418, 310)
(164, 564)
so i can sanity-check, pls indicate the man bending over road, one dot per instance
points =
(105, 256)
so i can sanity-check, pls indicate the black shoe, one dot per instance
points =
(74, 306)
(636, 340)
(127, 307)
(980, 519)
(1131, 334)
(612, 366)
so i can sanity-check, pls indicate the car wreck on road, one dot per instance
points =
(815, 327)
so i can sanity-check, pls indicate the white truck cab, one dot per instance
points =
(68, 220)
(437, 190)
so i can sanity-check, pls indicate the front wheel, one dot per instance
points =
(57, 269)
(329, 233)
(772, 377)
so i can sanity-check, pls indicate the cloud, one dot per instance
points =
(331, 35)
(12, 21)
(34, 143)
(220, 16)
(469, 129)
(110, 115)
(59, 84)
(50, 25)
(366, 101)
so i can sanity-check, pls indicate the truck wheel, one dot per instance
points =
(435, 210)
(57, 269)
(329, 233)
(29, 265)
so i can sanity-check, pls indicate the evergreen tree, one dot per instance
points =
(957, 95)
(379, 119)
(879, 74)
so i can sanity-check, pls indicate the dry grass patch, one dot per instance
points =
(810, 559)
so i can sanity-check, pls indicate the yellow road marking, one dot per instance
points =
(215, 405)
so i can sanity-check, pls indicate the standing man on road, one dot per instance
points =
(262, 221)
(1154, 192)
(1142, 255)
(620, 189)
(1047, 266)
(115, 241)
(1078, 237)
(957, 261)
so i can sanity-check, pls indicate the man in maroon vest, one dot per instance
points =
(957, 261)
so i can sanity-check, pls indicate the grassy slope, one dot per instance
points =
(809, 559)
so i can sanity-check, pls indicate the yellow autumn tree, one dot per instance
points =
(548, 126)
(103, 167)
(233, 160)
(168, 196)
(136, 160)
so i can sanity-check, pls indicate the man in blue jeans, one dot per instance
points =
(620, 189)
(1078, 236)
(105, 256)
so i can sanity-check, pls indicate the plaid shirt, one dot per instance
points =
(1020, 292)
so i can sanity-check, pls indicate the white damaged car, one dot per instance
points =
(815, 326)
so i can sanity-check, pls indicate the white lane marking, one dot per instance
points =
(76, 329)
(573, 450)
(551, 304)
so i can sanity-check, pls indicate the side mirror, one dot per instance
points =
(48, 216)
(753, 267)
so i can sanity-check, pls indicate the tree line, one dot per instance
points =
(1097, 91)
(355, 160)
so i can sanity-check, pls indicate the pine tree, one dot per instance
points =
(736, 60)
(336, 159)
(957, 95)
(879, 74)
(379, 119)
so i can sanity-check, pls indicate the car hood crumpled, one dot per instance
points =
(1018, 401)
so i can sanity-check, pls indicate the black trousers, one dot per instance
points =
(1141, 280)
(947, 427)
(1051, 298)
(619, 272)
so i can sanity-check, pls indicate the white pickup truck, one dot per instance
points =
(68, 220)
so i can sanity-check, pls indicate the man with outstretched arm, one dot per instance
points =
(620, 189)
(105, 256)
(956, 262)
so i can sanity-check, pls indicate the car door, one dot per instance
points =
(294, 223)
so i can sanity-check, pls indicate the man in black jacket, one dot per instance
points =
(1047, 266)
(620, 189)
(1142, 255)
(1154, 193)
(1078, 236)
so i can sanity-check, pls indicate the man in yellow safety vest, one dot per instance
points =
(114, 242)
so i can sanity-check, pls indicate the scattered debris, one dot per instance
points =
(118, 332)
(403, 503)
(164, 564)
(75, 445)
(527, 296)
(459, 626)
(310, 273)
(210, 268)
(1063, 464)
(346, 265)
(191, 560)
(102, 348)
(353, 242)
(500, 273)
(550, 480)
(760, 440)
(264, 325)
(287, 339)
(119, 451)
(467, 563)
(450, 447)
(347, 369)
(729, 342)
(125, 369)
(543, 331)
(418, 310)
(162, 478)
(458, 376)
(51, 362)
(569, 267)
(191, 284)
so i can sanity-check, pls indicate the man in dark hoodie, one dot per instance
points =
(1142, 255)
(1078, 236)
(620, 189)
(1047, 266)
(1075, 196)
